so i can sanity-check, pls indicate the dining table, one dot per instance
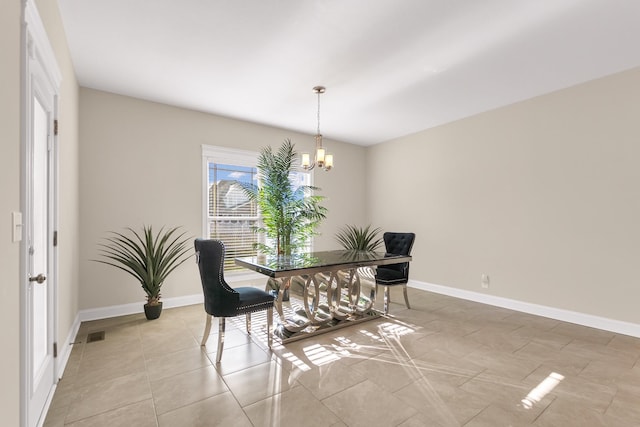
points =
(317, 292)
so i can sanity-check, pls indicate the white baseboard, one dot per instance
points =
(136, 307)
(64, 349)
(612, 325)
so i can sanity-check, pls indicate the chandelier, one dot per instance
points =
(323, 159)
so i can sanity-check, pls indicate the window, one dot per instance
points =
(229, 214)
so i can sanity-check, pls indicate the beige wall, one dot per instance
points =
(543, 196)
(9, 202)
(141, 163)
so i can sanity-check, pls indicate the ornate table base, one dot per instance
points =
(326, 289)
(322, 302)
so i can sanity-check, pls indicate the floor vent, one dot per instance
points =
(95, 336)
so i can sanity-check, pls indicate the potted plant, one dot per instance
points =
(148, 257)
(290, 213)
(357, 238)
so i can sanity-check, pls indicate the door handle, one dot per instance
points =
(40, 278)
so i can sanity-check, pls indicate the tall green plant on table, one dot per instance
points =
(352, 237)
(148, 257)
(290, 213)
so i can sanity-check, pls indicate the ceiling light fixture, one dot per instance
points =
(323, 159)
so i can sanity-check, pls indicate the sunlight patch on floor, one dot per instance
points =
(541, 390)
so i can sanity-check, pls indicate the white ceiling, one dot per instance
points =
(391, 67)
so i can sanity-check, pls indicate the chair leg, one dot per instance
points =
(269, 326)
(221, 327)
(406, 297)
(248, 322)
(207, 330)
(387, 300)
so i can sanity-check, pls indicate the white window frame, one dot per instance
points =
(224, 155)
(229, 156)
(221, 155)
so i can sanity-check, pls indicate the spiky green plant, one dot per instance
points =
(147, 257)
(352, 237)
(290, 214)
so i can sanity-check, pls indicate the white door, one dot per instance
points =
(39, 205)
(40, 274)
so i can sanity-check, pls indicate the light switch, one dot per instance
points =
(16, 226)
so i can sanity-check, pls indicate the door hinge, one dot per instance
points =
(55, 126)
(55, 349)
(55, 238)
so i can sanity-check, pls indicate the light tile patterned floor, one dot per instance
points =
(445, 362)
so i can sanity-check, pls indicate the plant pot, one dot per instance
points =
(152, 311)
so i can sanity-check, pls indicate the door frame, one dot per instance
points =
(37, 61)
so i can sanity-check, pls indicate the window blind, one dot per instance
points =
(232, 216)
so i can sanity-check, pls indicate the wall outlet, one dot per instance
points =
(484, 281)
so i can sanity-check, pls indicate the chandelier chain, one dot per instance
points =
(318, 113)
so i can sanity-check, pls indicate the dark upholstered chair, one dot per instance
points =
(222, 301)
(395, 274)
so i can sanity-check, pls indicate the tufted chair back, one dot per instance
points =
(395, 274)
(399, 244)
(220, 300)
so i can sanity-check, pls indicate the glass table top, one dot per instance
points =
(303, 263)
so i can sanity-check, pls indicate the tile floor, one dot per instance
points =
(445, 362)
